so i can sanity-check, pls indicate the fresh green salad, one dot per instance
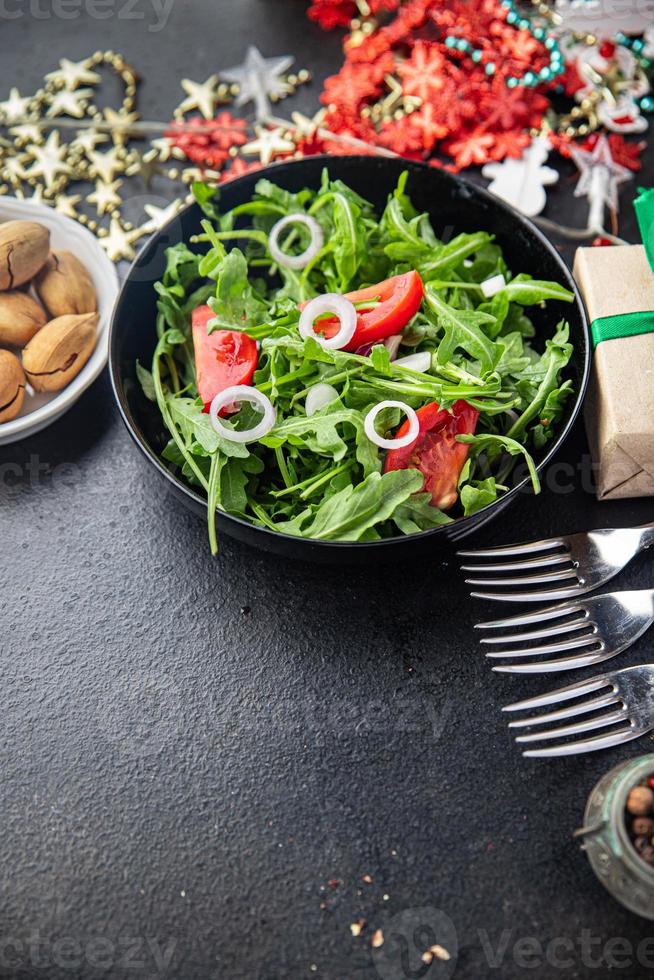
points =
(332, 373)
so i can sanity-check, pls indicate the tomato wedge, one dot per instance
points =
(435, 452)
(222, 359)
(398, 300)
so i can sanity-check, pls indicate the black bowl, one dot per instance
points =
(454, 206)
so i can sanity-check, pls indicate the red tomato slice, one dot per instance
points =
(435, 452)
(399, 300)
(222, 359)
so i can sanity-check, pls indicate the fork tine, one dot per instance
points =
(574, 709)
(559, 663)
(526, 579)
(516, 566)
(526, 619)
(556, 630)
(561, 694)
(560, 647)
(543, 595)
(612, 718)
(588, 745)
(524, 548)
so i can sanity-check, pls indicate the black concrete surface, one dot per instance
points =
(200, 761)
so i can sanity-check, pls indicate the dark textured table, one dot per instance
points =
(210, 769)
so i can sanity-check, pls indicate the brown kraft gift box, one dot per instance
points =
(619, 408)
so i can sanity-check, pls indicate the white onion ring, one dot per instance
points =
(416, 362)
(319, 396)
(339, 307)
(373, 435)
(296, 261)
(490, 287)
(234, 396)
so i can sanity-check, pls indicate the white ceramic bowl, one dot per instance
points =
(39, 410)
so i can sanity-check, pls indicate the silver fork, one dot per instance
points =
(579, 562)
(629, 693)
(599, 627)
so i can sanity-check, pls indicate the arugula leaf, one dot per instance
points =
(348, 514)
(207, 197)
(558, 352)
(146, 381)
(452, 254)
(486, 441)
(419, 514)
(478, 494)
(462, 329)
(527, 291)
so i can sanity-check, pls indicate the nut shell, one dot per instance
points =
(20, 318)
(59, 351)
(24, 248)
(64, 285)
(12, 386)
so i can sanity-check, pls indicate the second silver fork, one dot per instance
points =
(587, 630)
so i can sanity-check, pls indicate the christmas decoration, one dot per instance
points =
(259, 80)
(521, 182)
(203, 97)
(457, 82)
(599, 179)
(60, 138)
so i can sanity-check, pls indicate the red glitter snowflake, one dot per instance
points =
(330, 14)
(427, 126)
(206, 142)
(422, 72)
(239, 167)
(471, 149)
(509, 143)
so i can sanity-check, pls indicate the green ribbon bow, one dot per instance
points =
(632, 324)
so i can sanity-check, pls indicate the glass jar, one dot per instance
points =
(606, 841)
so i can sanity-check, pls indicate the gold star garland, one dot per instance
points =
(59, 138)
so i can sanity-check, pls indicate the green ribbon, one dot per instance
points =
(632, 324)
(623, 325)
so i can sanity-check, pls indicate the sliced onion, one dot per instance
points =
(319, 396)
(490, 287)
(337, 306)
(296, 261)
(233, 396)
(416, 362)
(406, 440)
(392, 345)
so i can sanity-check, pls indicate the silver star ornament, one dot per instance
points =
(259, 79)
(599, 179)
